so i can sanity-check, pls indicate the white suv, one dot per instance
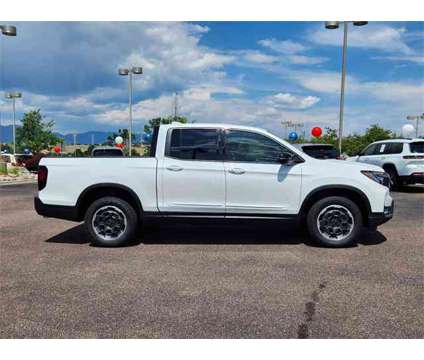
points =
(402, 159)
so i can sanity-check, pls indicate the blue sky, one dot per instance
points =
(251, 73)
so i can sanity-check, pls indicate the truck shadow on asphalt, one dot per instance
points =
(213, 235)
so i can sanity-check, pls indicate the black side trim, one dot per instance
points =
(207, 215)
(56, 211)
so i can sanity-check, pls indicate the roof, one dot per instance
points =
(398, 141)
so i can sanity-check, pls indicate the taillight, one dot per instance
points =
(42, 177)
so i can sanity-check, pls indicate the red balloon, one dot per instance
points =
(316, 131)
(121, 146)
(56, 149)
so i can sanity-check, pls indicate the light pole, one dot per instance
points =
(417, 118)
(13, 96)
(130, 72)
(335, 25)
(7, 30)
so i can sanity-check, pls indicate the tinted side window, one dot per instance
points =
(394, 148)
(251, 147)
(417, 147)
(194, 144)
(381, 148)
(370, 150)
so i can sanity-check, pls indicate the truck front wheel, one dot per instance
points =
(111, 221)
(334, 221)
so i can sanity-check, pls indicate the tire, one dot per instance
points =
(111, 221)
(345, 222)
(395, 182)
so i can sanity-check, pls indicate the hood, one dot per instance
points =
(340, 164)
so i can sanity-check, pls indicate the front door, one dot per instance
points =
(256, 182)
(191, 175)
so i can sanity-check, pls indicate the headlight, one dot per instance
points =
(380, 177)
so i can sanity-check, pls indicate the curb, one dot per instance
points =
(23, 182)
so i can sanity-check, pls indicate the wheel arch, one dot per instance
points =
(350, 192)
(390, 165)
(97, 191)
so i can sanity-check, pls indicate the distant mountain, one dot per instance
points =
(99, 137)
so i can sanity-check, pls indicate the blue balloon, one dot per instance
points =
(293, 136)
(147, 137)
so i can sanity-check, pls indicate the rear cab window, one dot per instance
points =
(194, 144)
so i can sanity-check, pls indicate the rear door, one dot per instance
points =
(191, 173)
(257, 183)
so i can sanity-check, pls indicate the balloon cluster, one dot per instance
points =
(119, 142)
(316, 132)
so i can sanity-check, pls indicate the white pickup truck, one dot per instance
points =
(213, 171)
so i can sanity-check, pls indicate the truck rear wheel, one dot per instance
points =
(334, 221)
(111, 221)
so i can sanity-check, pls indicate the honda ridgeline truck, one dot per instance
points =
(212, 171)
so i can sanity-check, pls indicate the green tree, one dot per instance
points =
(35, 134)
(353, 144)
(148, 128)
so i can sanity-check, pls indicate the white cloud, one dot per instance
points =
(418, 59)
(258, 57)
(306, 60)
(292, 101)
(282, 46)
(371, 36)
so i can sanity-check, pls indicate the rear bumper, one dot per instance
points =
(376, 219)
(56, 211)
(414, 178)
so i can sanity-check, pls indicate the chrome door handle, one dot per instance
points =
(237, 171)
(174, 168)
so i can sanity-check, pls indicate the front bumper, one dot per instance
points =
(376, 219)
(56, 211)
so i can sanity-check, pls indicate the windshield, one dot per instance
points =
(321, 151)
(417, 147)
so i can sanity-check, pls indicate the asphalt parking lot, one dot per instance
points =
(208, 282)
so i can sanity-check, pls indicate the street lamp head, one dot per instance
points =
(124, 72)
(360, 23)
(8, 96)
(17, 95)
(137, 70)
(8, 30)
(332, 25)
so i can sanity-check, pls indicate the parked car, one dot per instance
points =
(107, 151)
(319, 151)
(210, 172)
(402, 159)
